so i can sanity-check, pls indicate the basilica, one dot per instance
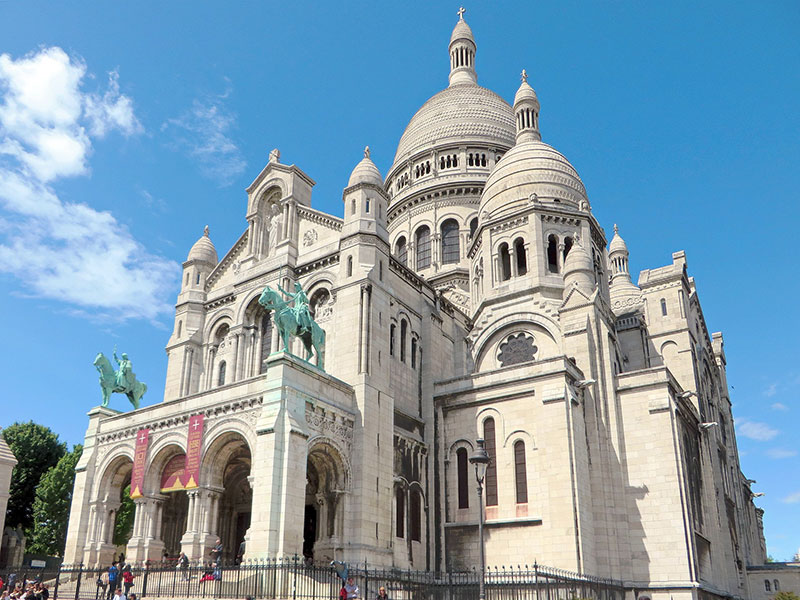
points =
(468, 293)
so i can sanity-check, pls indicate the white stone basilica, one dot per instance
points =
(470, 293)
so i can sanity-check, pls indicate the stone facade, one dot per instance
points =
(471, 293)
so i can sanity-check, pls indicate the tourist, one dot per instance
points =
(127, 579)
(113, 575)
(118, 595)
(216, 551)
(102, 585)
(183, 565)
(352, 589)
(382, 594)
(343, 592)
(132, 596)
(217, 572)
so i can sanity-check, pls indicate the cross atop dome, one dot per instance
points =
(461, 11)
(366, 151)
(524, 76)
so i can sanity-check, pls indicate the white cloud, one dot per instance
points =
(204, 131)
(110, 111)
(761, 432)
(792, 498)
(771, 390)
(58, 249)
(779, 406)
(779, 453)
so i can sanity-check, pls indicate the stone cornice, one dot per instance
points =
(316, 216)
(214, 276)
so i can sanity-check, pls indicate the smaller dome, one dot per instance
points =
(203, 250)
(526, 92)
(366, 172)
(617, 243)
(462, 31)
(578, 259)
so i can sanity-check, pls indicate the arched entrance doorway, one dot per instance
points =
(111, 516)
(228, 461)
(327, 483)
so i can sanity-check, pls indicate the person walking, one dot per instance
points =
(382, 594)
(127, 579)
(102, 585)
(183, 566)
(113, 576)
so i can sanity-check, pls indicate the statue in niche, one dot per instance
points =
(274, 225)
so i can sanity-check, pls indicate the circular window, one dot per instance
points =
(518, 348)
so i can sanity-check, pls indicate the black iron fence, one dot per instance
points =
(297, 580)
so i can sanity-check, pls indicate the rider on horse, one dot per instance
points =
(300, 308)
(124, 377)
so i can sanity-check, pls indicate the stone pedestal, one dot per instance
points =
(293, 387)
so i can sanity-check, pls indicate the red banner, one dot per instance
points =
(172, 478)
(194, 450)
(139, 462)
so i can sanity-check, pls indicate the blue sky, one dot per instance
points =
(125, 128)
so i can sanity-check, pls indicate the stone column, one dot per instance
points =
(512, 256)
(259, 351)
(366, 293)
(285, 224)
(234, 358)
(240, 358)
(276, 339)
(560, 257)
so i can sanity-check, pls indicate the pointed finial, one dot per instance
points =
(366, 151)
(524, 76)
(616, 229)
(275, 156)
(205, 231)
(461, 11)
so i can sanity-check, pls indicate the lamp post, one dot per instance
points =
(480, 459)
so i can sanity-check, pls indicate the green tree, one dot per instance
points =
(37, 449)
(123, 523)
(786, 596)
(52, 504)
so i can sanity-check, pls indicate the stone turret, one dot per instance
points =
(578, 270)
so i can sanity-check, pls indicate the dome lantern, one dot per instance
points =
(462, 53)
(526, 112)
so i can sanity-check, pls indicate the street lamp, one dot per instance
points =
(480, 459)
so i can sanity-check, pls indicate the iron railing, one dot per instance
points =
(295, 579)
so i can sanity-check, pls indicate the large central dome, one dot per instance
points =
(465, 111)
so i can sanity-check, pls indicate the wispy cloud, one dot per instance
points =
(779, 453)
(60, 249)
(761, 432)
(792, 498)
(779, 406)
(204, 131)
(771, 390)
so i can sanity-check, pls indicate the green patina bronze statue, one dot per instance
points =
(120, 382)
(295, 320)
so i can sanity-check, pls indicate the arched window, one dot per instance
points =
(423, 247)
(380, 270)
(400, 513)
(491, 470)
(520, 475)
(366, 206)
(180, 328)
(349, 266)
(473, 227)
(776, 585)
(221, 376)
(552, 254)
(663, 307)
(505, 262)
(767, 586)
(413, 353)
(522, 259)
(403, 334)
(266, 341)
(353, 206)
(415, 507)
(567, 246)
(187, 278)
(463, 481)
(197, 282)
(401, 250)
(392, 329)
(450, 249)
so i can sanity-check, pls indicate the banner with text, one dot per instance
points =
(194, 450)
(139, 462)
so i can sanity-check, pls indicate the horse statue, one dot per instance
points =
(121, 382)
(295, 321)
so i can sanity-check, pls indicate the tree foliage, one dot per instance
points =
(123, 523)
(786, 596)
(51, 506)
(37, 450)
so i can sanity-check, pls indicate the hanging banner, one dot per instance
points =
(194, 449)
(172, 479)
(139, 462)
